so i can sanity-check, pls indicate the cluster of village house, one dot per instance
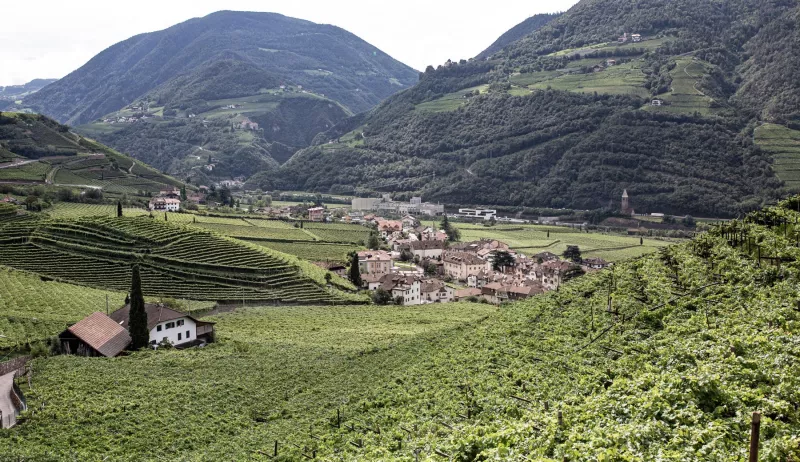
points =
(462, 270)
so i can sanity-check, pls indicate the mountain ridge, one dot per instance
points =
(692, 88)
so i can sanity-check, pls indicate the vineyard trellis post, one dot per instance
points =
(755, 433)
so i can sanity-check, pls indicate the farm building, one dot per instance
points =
(336, 268)
(95, 335)
(165, 204)
(167, 324)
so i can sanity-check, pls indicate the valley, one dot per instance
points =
(248, 236)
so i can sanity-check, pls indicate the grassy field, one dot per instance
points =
(532, 239)
(784, 145)
(274, 373)
(450, 101)
(624, 79)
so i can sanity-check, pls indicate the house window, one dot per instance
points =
(158, 329)
(188, 334)
(179, 336)
(180, 322)
(169, 325)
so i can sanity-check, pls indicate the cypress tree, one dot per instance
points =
(119, 208)
(354, 273)
(137, 316)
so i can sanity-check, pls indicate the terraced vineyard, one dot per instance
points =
(287, 233)
(64, 158)
(314, 251)
(784, 145)
(685, 97)
(176, 261)
(339, 232)
(662, 358)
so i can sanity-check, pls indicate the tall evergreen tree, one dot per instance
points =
(119, 208)
(453, 234)
(354, 273)
(137, 316)
(183, 192)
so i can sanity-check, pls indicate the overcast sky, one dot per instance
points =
(51, 38)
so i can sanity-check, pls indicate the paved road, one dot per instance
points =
(5, 401)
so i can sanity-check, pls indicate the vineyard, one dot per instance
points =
(176, 261)
(664, 357)
(314, 251)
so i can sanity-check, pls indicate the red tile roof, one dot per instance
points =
(102, 333)
(156, 313)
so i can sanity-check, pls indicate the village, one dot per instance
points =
(423, 266)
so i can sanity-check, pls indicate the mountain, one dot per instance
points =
(517, 32)
(660, 98)
(36, 149)
(13, 92)
(211, 86)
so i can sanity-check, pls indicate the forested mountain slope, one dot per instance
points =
(566, 117)
(12, 92)
(517, 32)
(323, 58)
(249, 89)
(36, 149)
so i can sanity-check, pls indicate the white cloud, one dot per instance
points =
(51, 38)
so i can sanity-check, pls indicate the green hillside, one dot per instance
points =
(37, 150)
(163, 96)
(177, 261)
(206, 138)
(663, 357)
(783, 144)
(564, 116)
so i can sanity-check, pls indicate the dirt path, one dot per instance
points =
(17, 163)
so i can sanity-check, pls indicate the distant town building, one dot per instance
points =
(375, 262)
(316, 214)
(459, 265)
(388, 206)
(486, 214)
(625, 206)
(409, 288)
(165, 204)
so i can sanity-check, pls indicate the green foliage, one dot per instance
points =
(354, 272)
(137, 317)
(502, 259)
(573, 253)
(381, 297)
